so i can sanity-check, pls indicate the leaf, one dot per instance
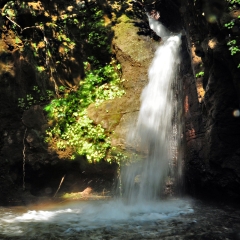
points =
(48, 108)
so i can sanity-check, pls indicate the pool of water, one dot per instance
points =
(114, 219)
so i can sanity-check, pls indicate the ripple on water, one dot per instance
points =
(73, 218)
(115, 220)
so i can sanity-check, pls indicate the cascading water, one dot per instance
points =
(144, 179)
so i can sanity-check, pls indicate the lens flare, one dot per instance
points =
(211, 18)
(236, 113)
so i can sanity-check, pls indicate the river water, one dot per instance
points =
(116, 220)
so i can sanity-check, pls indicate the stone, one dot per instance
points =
(34, 118)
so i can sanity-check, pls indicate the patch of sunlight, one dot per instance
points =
(7, 68)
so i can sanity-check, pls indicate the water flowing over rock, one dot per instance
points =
(144, 179)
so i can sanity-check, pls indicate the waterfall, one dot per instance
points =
(144, 178)
(155, 138)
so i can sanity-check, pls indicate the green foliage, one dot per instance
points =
(29, 99)
(81, 134)
(233, 47)
(230, 24)
(118, 157)
(73, 128)
(233, 4)
(103, 84)
(55, 41)
(200, 74)
(40, 68)
(39, 97)
(83, 27)
(35, 88)
(96, 35)
(233, 43)
(234, 1)
(21, 103)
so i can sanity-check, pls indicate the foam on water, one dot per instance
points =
(90, 215)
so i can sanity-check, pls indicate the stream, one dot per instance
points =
(114, 219)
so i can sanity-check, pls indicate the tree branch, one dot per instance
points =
(13, 22)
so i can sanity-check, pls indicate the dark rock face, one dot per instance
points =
(26, 161)
(212, 130)
(34, 118)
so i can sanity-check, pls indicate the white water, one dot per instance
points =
(144, 180)
(73, 218)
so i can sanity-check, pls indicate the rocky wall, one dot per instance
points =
(211, 93)
(26, 163)
(211, 102)
(28, 167)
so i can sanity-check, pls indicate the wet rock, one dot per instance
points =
(34, 140)
(212, 132)
(134, 53)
